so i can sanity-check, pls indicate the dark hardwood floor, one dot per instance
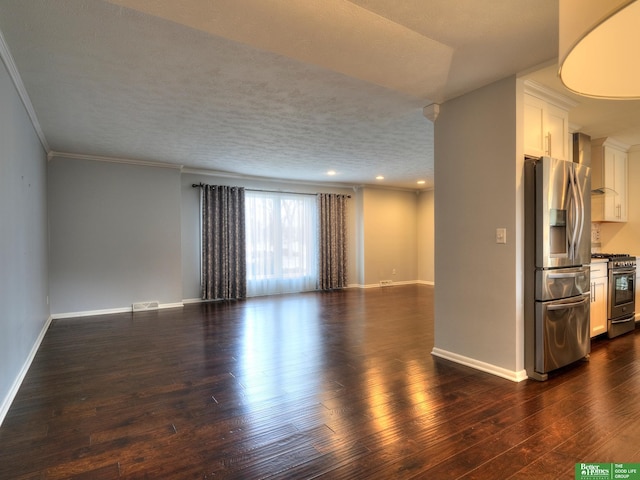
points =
(336, 385)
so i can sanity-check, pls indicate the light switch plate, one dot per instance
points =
(501, 235)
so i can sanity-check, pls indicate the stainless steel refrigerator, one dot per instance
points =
(557, 258)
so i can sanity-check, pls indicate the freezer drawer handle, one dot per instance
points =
(564, 306)
(566, 275)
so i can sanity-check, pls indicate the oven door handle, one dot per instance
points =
(564, 306)
(624, 320)
(626, 271)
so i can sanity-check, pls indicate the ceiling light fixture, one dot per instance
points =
(379, 177)
(598, 47)
(331, 172)
(421, 182)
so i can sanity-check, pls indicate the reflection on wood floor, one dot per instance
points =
(337, 385)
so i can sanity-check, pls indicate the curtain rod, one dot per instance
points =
(200, 185)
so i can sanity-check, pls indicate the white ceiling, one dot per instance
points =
(281, 88)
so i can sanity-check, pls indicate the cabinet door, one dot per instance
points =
(557, 128)
(535, 135)
(598, 306)
(620, 182)
(546, 129)
(615, 178)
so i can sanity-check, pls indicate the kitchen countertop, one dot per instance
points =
(599, 260)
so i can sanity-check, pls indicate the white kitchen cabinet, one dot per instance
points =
(609, 202)
(598, 298)
(546, 123)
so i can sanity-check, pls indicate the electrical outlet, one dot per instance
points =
(501, 235)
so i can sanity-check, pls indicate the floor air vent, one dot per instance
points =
(142, 306)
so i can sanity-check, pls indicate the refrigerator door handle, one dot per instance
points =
(580, 195)
(564, 306)
(573, 227)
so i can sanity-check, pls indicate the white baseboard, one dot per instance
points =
(107, 311)
(13, 391)
(89, 313)
(514, 376)
(185, 301)
(171, 305)
(405, 282)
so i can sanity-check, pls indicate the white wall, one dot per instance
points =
(426, 237)
(115, 236)
(24, 312)
(390, 235)
(478, 314)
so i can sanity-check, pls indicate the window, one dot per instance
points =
(281, 242)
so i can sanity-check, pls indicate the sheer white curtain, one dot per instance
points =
(282, 245)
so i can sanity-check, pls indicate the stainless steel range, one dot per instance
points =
(621, 296)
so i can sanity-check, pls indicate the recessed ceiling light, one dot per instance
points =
(421, 182)
(379, 177)
(331, 172)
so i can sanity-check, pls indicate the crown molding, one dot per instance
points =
(355, 188)
(126, 161)
(8, 61)
(537, 90)
(611, 142)
(634, 148)
(216, 173)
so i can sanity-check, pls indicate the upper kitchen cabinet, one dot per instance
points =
(608, 180)
(546, 122)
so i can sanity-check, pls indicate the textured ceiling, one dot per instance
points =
(281, 88)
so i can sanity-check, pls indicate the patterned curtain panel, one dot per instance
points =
(332, 211)
(224, 268)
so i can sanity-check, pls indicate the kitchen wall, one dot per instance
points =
(24, 288)
(114, 234)
(478, 166)
(625, 237)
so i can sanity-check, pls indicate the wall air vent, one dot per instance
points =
(143, 306)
